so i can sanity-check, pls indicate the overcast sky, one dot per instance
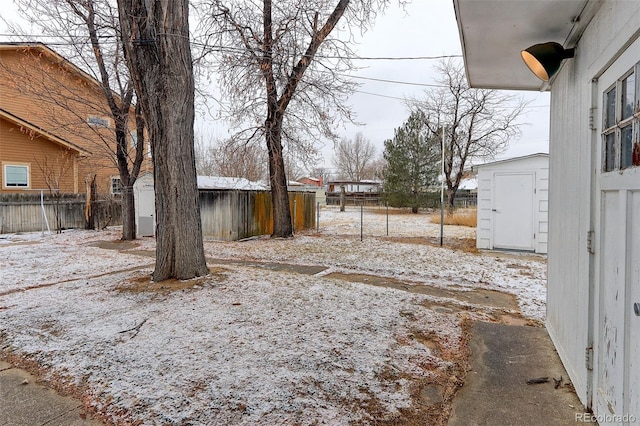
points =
(424, 28)
(427, 28)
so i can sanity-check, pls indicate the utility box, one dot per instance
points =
(513, 204)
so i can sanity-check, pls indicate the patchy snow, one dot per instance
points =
(250, 345)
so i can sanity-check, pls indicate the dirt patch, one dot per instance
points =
(467, 245)
(500, 254)
(144, 284)
(481, 297)
(272, 266)
(114, 245)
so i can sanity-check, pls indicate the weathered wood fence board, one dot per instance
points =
(233, 215)
(226, 214)
(24, 213)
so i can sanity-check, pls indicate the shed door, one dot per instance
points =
(146, 210)
(513, 211)
(617, 252)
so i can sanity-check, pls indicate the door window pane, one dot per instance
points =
(626, 147)
(628, 95)
(635, 151)
(609, 152)
(610, 109)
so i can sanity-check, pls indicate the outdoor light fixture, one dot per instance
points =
(544, 59)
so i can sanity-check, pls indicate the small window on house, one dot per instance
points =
(16, 176)
(621, 123)
(96, 121)
(116, 186)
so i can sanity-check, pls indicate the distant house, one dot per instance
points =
(365, 192)
(351, 186)
(310, 181)
(593, 278)
(54, 124)
(513, 203)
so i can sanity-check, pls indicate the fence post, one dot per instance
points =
(294, 213)
(361, 220)
(318, 216)
(387, 204)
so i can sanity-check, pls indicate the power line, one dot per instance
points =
(379, 95)
(396, 81)
(233, 48)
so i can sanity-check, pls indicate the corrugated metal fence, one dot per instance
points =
(233, 215)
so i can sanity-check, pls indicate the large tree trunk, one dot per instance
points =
(156, 40)
(128, 214)
(282, 227)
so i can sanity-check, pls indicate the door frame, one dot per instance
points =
(534, 211)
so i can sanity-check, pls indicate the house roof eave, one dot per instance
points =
(493, 34)
(38, 130)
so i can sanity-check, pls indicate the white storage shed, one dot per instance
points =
(513, 203)
(145, 203)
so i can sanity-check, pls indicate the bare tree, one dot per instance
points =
(231, 158)
(89, 30)
(282, 74)
(55, 170)
(205, 155)
(478, 123)
(354, 158)
(155, 36)
(245, 160)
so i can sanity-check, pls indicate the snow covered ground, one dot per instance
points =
(250, 345)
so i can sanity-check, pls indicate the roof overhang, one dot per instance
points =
(494, 32)
(33, 129)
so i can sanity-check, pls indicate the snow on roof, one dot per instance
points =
(507, 160)
(470, 183)
(223, 182)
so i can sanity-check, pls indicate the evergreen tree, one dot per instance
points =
(413, 163)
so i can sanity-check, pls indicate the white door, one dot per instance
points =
(513, 211)
(616, 379)
(146, 210)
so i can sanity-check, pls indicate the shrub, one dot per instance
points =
(460, 217)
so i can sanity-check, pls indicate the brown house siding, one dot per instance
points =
(19, 148)
(39, 87)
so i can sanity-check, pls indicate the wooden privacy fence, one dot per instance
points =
(23, 212)
(231, 215)
(226, 214)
